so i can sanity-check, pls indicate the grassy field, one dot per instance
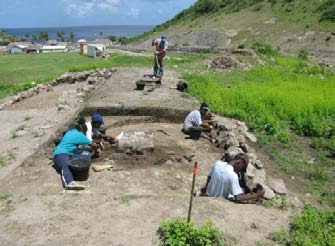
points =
(285, 101)
(18, 71)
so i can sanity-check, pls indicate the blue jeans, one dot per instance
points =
(62, 162)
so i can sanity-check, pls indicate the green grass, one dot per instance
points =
(268, 97)
(311, 227)
(18, 71)
(127, 198)
(178, 232)
(285, 96)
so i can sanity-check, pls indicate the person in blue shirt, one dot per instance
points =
(72, 141)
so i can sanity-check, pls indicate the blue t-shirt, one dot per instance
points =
(70, 142)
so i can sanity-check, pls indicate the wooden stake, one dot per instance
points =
(195, 172)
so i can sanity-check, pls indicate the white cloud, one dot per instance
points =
(134, 12)
(83, 8)
(109, 5)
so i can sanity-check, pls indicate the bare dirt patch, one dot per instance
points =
(125, 205)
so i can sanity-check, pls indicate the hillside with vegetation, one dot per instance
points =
(285, 94)
(287, 25)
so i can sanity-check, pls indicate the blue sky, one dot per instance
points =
(57, 13)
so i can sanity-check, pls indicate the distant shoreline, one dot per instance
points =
(81, 32)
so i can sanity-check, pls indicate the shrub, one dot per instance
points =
(303, 54)
(241, 46)
(179, 232)
(311, 228)
(263, 48)
(327, 10)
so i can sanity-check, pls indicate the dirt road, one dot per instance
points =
(125, 205)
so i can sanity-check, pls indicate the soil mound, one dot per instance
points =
(230, 62)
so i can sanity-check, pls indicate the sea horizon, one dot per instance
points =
(89, 33)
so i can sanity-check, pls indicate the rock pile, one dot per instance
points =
(230, 62)
(232, 136)
(90, 77)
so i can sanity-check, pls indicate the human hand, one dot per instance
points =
(260, 193)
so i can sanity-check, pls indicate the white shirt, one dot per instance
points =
(224, 181)
(89, 132)
(192, 119)
(157, 44)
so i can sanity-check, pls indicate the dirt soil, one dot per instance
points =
(123, 206)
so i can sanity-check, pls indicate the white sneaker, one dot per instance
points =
(74, 186)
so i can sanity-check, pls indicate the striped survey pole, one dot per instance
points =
(195, 172)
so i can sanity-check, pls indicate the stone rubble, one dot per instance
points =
(89, 79)
(136, 143)
(232, 136)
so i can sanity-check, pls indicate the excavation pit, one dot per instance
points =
(145, 142)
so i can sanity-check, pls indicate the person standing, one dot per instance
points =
(161, 45)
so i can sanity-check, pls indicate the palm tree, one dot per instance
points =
(60, 35)
(72, 36)
(34, 36)
(27, 36)
(2, 33)
(44, 35)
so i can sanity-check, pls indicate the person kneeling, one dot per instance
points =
(74, 141)
(223, 180)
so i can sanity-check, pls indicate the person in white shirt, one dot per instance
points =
(96, 134)
(195, 118)
(223, 180)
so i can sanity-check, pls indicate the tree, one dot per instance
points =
(72, 36)
(44, 36)
(112, 38)
(101, 33)
(2, 33)
(34, 36)
(123, 40)
(60, 35)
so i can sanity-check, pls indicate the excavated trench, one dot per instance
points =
(160, 126)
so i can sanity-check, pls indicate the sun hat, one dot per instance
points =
(98, 118)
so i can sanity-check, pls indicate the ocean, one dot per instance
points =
(81, 32)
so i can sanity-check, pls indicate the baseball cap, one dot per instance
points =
(164, 37)
(205, 107)
(98, 118)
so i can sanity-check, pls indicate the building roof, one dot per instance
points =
(97, 46)
(52, 42)
(34, 47)
(20, 45)
(53, 47)
(101, 41)
(82, 41)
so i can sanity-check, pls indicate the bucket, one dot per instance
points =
(80, 167)
(195, 132)
(140, 85)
